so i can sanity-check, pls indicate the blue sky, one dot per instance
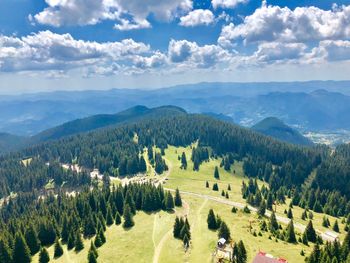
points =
(102, 44)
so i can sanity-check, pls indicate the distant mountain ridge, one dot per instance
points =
(277, 129)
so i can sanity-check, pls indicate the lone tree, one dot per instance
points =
(178, 201)
(224, 231)
(211, 220)
(183, 161)
(216, 173)
(128, 220)
(44, 256)
(310, 232)
(58, 249)
(207, 184)
(290, 234)
(21, 252)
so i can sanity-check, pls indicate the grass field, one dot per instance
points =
(151, 239)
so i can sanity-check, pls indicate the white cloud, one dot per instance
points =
(330, 50)
(197, 17)
(128, 14)
(227, 3)
(303, 24)
(189, 54)
(47, 51)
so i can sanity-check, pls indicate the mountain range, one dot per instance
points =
(307, 106)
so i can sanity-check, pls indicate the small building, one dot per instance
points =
(223, 251)
(262, 257)
(221, 242)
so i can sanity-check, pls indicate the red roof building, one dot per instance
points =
(262, 257)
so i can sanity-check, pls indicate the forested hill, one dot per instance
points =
(275, 128)
(114, 151)
(104, 120)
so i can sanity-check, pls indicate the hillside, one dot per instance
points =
(277, 129)
(9, 142)
(104, 120)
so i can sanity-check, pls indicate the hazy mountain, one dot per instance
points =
(275, 128)
(314, 106)
(9, 142)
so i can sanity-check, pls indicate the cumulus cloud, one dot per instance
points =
(227, 3)
(273, 23)
(330, 50)
(128, 14)
(49, 51)
(189, 54)
(197, 17)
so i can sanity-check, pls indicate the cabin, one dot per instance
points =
(223, 251)
(262, 257)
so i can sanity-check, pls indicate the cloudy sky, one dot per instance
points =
(103, 44)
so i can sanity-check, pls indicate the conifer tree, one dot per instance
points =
(207, 184)
(186, 241)
(262, 208)
(242, 253)
(130, 202)
(224, 231)
(32, 240)
(325, 222)
(304, 239)
(44, 256)
(336, 226)
(71, 241)
(310, 232)
(290, 213)
(79, 245)
(58, 250)
(273, 225)
(185, 230)
(65, 230)
(5, 252)
(21, 252)
(177, 227)
(178, 200)
(92, 257)
(216, 173)
(98, 242)
(169, 201)
(109, 217)
(183, 161)
(118, 219)
(142, 165)
(211, 220)
(215, 187)
(93, 249)
(229, 187)
(128, 220)
(290, 234)
(269, 201)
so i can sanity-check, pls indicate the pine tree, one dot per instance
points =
(290, 234)
(183, 161)
(93, 249)
(273, 225)
(336, 226)
(216, 173)
(142, 165)
(304, 239)
(169, 201)
(71, 241)
(118, 219)
(325, 222)
(177, 227)
(224, 231)
(215, 187)
(211, 220)
(269, 201)
(92, 257)
(186, 241)
(58, 250)
(98, 242)
(128, 220)
(310, 232)
(109, 217)
(44, 256)
(79, 245)
(21, 252)
(178, 200)
(242, 252)
(32, 240)
(5, 252)
(315, 255)
(65, 230)
(207, 184)
(185, 230)
(229, 187)
(290, 213)
(262, 208)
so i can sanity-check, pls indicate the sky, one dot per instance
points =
(102, 44)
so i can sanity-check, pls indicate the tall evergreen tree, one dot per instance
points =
(169, 201)
(178, 200)
(128, 220)
(117, 219)
(273, 224)
(109, 217)
(5, 252)
(21, 252)
(310, 232)
(224, 231)
(183, 161)
(211, 220)
(92, 257)
(290, 234)
(336, 226)
(58, 250)
(32, 240)
(79, 245)
(290, 213)
(142, 165)
(262, 208)
(216, 173)
(44, 256)
(242, 253)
